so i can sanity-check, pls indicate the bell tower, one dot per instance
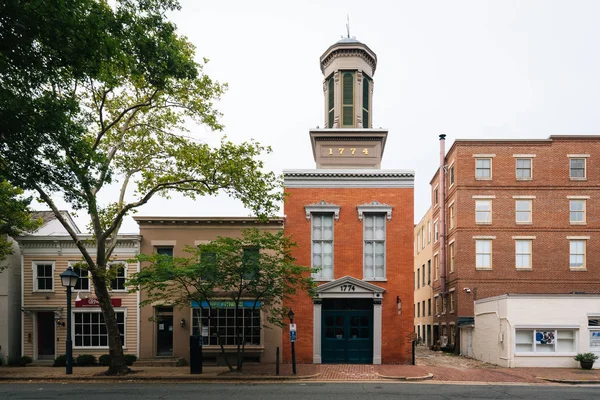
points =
(348, 139)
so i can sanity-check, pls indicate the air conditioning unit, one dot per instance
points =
(444, 341)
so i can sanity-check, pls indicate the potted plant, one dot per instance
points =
(586, 360)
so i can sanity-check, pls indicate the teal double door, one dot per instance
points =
(347, 336)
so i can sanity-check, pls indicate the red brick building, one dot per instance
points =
(353, 223)
(514, 216)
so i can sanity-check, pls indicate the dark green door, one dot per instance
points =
(347, 337)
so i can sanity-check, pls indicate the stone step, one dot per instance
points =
(156, 362)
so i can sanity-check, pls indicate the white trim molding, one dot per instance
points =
(524, 197)
(484, 155)
(523, 237)
(578, 155)
(322, 207)
(578, 197)
(578, 237)
(359, 178)
(484, 237)
(483, 196)
(524, 155)
(374, 206)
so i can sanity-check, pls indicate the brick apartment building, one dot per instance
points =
(517, 217)
(354, 223)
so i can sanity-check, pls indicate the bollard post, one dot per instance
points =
(277, 362)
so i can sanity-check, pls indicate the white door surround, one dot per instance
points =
(352, 288)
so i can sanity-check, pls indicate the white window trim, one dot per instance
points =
(490, 238)
(530, 255)
(451, 216)
(523, 237)
(548, 354)
(585, 157)
(524, 155)
(385, 241)
(483, 196)
(98, 310)
(491, 212)
(530, 178)
(314, 276)
(429, 231)
(530, 199)
(450, 184)
(89, 289)
(34, 265)
(436, 276)
(436, 224)
(436, 200)
(484, 157)
(125, 272)
(578, 197)
(575, 198)
(374, 207)
(322, 207)
(584, 239)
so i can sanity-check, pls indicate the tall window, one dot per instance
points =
(524, 168)
(164, 250)
(483, 211)
(250, 262)
(428, 231)
(451, 251)
(483, 248)
(423, 237)
(451, 295)
(330, 102)
(418, 243)
(451, 212)
(418, 278)
(322, 245)
(90, 328)
(429, 272)
(577, 211)
(577, 254)
(435, 196)
(429, 307)
(436, 233)
(43, 276)
(451, 175)
(436, 266)
(374, 245)
(348, 99)
(437, 305)
(423, 275)
(523, 211)
(366, 84)
(523, 254)
(83, 283)
(118, 282)
(577, 168)
(483, 168)
(222, 321)
(423, 304)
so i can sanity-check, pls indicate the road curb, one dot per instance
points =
(131, 378)
(407, 378)
(571, 381)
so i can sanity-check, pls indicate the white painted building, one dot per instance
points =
(534, 330)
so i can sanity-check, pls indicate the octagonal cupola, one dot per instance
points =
(348, 67)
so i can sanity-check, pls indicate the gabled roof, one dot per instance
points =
(48, 217)
(349, 280)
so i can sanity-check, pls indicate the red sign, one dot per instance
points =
(93, 302)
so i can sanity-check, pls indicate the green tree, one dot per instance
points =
(256, 267)
(15, 216)
(97, 97)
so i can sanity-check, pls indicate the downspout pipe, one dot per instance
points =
(442, 201)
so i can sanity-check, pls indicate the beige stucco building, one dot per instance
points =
(165, 330)
(423, 299)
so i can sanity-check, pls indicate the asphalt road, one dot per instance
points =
(292, 391)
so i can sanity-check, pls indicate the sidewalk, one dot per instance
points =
(310, 372)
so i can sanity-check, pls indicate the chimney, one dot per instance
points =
(442, 202)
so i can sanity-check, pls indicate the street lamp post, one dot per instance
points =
(293, 340)
(69, 280)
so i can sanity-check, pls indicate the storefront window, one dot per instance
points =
(223, 322)
(90, 329)
(545, 341)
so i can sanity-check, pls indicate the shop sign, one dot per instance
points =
(225, 304)
(93, 302)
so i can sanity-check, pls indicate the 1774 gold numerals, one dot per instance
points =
(352, 151)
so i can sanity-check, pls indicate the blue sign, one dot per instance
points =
(292, 336)
(225, 304)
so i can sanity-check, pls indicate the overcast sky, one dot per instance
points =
(469, 69)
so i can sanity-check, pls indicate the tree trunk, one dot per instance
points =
(118, 366)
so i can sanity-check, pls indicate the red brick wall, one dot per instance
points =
(550, 211)
(348, 256)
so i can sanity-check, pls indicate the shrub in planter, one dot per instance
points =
(130, 359)
(586, 360)
(61, 361)
(85, 360)
(104, 359)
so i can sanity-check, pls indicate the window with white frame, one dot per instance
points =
(222, 322)
(483, 256)
(322, 245)
(577, 254)
(545, 340)
(451, 175)
(435, 196)
(436, 267)
(117, 283)
(451, 212)
(577, 168)
(83, 283)
(523, 253)
(523, 168)
(577, 211)
(523, 211)
(428, 231)
(483, 168)
(374, 245)
(594, 332)
(418, 242)
(90, 328)
(436, 232)
(43, 276)
(483, 211)
(423, 237)
(437, 305)
(451, 295)
(451, 251)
